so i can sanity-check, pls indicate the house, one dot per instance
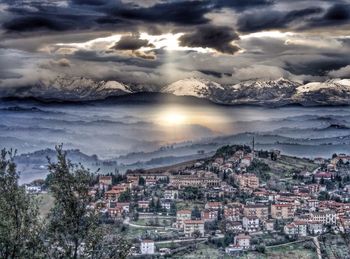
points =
(258, 210)
(143, 205)
(105, 180)
(213, 205)
(313, 204)
(209, 215)
(242, 240)
(147, 247)
(247, 181)
(282, 211)
(315, 227)
(193, 226)
(344, 224)
(269, 225)
(181, 216)
(33, 189)
(166, 204)
(233, 211)
(235, 226)
(246, 161)
(251, 224)
(323, 175)
(171, 193)
(113, 194)
(151, 182)
(296, 228)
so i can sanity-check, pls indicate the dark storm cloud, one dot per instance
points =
(36, 23)
(318, 67)
(131, 43)
(184, 13)
(216, 37)
(90, 2)
(243, 4)
(263, 20)
(337, 14)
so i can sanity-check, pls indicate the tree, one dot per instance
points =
(173, 209)
(125, 196)
(73, 230)
(142, 181)
(20, 225)
(195, 214)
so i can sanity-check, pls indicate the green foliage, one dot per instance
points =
(195, 214)
(323, 196)
(142, 181)
(192, 193)
(260, 169)
(73, 229)
(227, 151)
(125, 196)
(20, 226)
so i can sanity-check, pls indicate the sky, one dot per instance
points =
(156, 42)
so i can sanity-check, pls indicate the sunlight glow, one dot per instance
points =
(166, 41)
(172, 118)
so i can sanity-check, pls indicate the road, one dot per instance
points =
(318, 248)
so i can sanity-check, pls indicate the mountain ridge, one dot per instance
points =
(278, 92)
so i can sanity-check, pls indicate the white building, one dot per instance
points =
(243, 241)
(251, 223)
(33, 189)
(193, 226)
(327, 217)
(147, 247)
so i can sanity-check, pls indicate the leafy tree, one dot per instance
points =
(20, 225)
(73, 230)
(173, 208)
(142, 181)
(158, 205)
(195, 214)
(125, 196)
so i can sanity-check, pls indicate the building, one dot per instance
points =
(269, 225)
(247, 181)
(214, 205)
(233, 211)
(143, 205)
(242, 241)
(296, 228)
(147, 247)
(199, 179)
(105, 180)
(282, 211)
(171, 193)
(209, 215)
(251, 224)
(327, 217)
(33, 189)
(193, 226)
(181, 216)
(260, 211)
(315, 227)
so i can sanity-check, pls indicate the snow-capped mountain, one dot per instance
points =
(193, 87)
(259, 92)
(74, 89)
(266, 92)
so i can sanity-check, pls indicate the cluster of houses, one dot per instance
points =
(296, 213)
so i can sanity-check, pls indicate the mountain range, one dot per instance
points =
(257, 92)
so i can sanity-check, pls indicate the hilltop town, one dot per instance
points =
(238, 202)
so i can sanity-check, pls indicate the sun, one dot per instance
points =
(172, 118)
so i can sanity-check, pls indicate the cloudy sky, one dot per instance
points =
(156, 42)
